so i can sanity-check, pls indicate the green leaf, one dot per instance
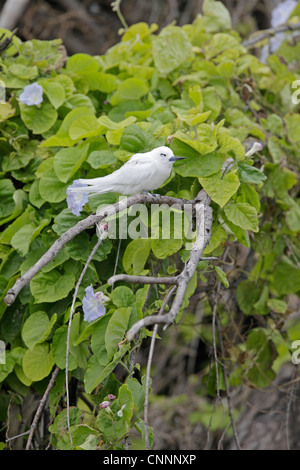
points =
(101, 159)
(59, 429)
(20, 159)
(22, 240)
(6, 196)
(129, 89)
(82, 436)
(6, 111)
(82, 63)
(37, 328)
(55, 92)
(52, 286)
(292, 216)
(116, 329)
(38, 119)
(243, 215)
(241, 235)
(293, 124)
(62, 138)
(92, 374)
(164, 248)
(19, 198)
(206, 141)
(277, 305)
(136, 255)
(34, 195)
(216, 16)
(220, 187)
(109, 124)
(112, 425)
(203, 166)
(134, 139)
(97, 373)
(221, 275)
(247, 294)
(24, 71)
(77, 352)
(264, 351)
(138, 392)
(247, 193)
(105, 82)
(83, 127)
(17, 224)
(250, 174)
(51, 188)
(38, 362)
(63, 221)
(218, 237)
(286, 278)
(122, 296)
(78, 100)
(98, 340)
(7, 368)
(171, 49)
(67, 161)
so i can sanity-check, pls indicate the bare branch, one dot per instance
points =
(203, 237)
(267, 33)
(12, 12)
(80, 227)
(143, 279)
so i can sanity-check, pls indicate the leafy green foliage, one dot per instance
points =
(186, 84)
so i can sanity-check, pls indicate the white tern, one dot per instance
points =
(142, 172)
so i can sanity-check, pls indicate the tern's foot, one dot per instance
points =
(148, 193)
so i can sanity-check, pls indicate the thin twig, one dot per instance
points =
(116, 263)
(116, 7)
(267, 33)
(214, 319)
(100, 240)
(148, 372)
(143, 279)
(41, 406)
(18, 435)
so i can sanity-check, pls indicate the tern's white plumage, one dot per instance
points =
(142, 172)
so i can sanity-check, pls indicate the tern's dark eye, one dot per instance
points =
(163, 155)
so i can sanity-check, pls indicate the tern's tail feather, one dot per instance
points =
(95, 185)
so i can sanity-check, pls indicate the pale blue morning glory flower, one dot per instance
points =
(76, 201)
(32, 94)
(92, 304)
(104, 404)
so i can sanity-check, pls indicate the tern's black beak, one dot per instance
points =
(174, 159)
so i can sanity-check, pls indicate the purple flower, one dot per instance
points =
(76, 200)
(92, 304)
(104, 404)
(32, 94)
(110, 396)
